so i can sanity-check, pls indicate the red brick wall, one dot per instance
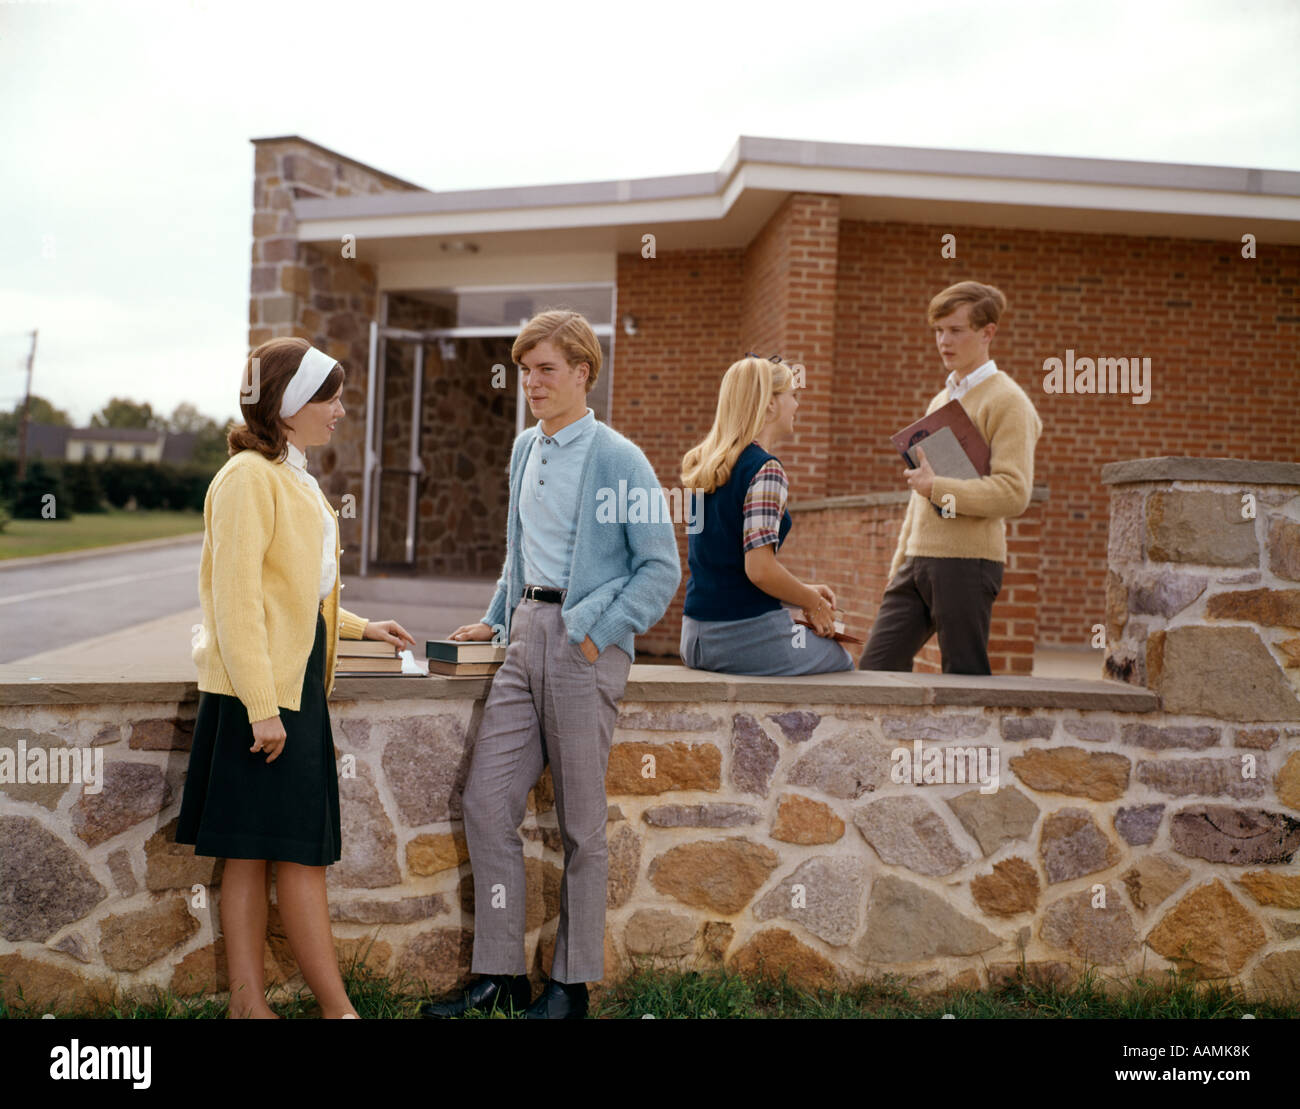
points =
(789, 309)
(700, 310)
(1221, 332)
(849, 548)
(666, 377)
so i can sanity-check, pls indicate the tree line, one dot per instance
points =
(209, 444)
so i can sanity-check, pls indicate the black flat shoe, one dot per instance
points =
(560, 1001)
(509, 993)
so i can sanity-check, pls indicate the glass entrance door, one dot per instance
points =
(442, 416)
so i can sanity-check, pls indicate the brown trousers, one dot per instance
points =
(950, 597)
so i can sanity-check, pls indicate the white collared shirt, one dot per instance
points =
(957, 390)
(297, 463)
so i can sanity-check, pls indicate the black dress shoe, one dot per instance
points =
(560, 1001)
(509, 993)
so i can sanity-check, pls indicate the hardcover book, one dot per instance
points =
(460, 651)
(953, 445)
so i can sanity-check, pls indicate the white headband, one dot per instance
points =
(310, 375)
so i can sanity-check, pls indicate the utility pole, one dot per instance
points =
(27, 400)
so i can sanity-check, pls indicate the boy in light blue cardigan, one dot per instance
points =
(622, 576)
(582, 577)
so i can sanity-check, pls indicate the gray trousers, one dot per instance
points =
(547, 704)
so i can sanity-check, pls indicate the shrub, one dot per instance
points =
(30, 499)
(81, 480)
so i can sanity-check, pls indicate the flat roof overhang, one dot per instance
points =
(729, 207)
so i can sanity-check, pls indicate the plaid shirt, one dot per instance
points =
(765, 505)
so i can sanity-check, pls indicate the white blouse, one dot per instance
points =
(297, 463)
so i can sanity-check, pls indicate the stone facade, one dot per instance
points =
(326, 297)
(466, 432)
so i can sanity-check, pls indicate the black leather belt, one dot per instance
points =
(544, 593)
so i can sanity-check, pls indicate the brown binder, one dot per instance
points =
(952, 415)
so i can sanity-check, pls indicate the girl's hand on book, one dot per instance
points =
(472, 631)
(269, 737)
(827, 594)
(390, 631)
(821, 616)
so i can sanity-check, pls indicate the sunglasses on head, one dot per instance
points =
(772, 358)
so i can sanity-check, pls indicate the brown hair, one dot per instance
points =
(569, 331)
(986, 303)
(267, 374)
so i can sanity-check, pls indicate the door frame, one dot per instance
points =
(380, 334)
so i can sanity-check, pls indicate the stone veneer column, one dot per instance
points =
(315, 293)
(1202, 604)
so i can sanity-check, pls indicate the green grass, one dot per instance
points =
(721, 996)
(22, 538)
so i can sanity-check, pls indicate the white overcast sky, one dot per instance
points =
(126, 168)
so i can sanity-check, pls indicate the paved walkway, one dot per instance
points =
(159, 650)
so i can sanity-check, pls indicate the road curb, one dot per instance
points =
(92, 552)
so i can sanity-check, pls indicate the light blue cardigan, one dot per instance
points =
(623, 575)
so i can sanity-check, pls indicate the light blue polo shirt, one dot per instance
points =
(548, 505)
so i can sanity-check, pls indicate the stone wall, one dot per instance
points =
(749, 825)
(1202, 601)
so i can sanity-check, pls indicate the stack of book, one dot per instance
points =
(464, 658)
(369, 658)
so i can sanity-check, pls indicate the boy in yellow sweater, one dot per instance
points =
(947, 568)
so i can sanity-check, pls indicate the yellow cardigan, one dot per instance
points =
(259, 582)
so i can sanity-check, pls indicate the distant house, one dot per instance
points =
(75, 444)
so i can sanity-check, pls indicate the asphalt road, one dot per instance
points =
(58, 604)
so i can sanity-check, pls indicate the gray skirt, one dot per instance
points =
(770, 644)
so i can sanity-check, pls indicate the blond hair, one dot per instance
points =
(571, 334)
(747, 389)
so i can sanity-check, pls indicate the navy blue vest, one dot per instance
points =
(718, 588)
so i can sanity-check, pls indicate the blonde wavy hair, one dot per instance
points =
(747, 389)
(571, 335)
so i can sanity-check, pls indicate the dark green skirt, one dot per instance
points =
(237, 806)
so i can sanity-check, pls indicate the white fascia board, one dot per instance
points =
(681, 210)
(992, 190)
(727, 190)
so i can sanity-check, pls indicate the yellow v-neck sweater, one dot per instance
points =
(1006, 418)
(259, 580)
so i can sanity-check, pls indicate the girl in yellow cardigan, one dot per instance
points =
(262, 784)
